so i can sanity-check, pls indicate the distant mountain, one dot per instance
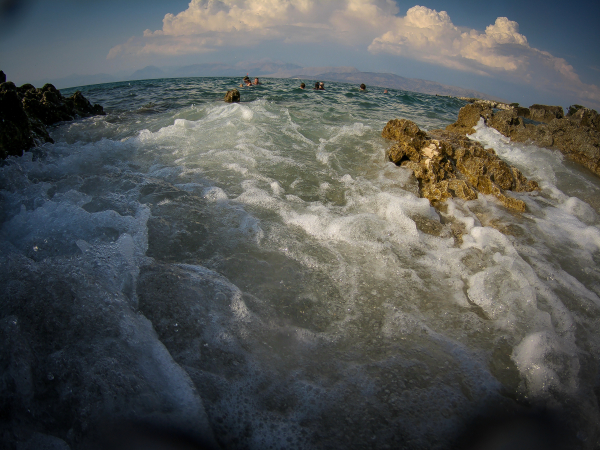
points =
(238, 70)
(147, 72)
(265, 67)
(299, 72)
(207, 70)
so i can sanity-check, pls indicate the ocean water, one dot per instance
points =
(260, 275)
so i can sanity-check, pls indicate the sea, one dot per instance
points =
(260, 276)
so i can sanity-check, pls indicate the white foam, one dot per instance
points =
(536, 163)
(214, 194)
(546, 365)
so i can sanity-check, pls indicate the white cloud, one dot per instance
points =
(422, 34)
(217, 23)
(427, 35)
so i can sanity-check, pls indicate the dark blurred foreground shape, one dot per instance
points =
(130, 435)
(11, 13)
(523, 431)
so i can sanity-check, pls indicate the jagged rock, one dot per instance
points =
(577, 135)
(584, 117)
(400, 129)
(544, 113)
(490, 103)
(232, 96)
(2, 77)
(447, 164)
(80, 105)
(26, 111)
(468, 116)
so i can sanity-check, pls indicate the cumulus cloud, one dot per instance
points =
(428, 35)
(207, 25)
(422, 34)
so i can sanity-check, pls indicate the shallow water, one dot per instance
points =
(258, 272)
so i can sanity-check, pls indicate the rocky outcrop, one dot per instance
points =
(577, 135)
(584, 117)
(490, 103)
(25, 112)
(232, 96)
(543, 113)
(468, 116)
(447, 165)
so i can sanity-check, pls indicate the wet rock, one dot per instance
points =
(577, 135)
(232, 96)
(468, 116)
(25, 112)
(449, 165)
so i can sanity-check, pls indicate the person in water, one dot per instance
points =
(321, 86)
(385, 91)
(256, 82)
(246, 81)
(316, 88)
(363, 87)
(302, 85)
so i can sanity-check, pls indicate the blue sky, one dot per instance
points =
(528, 52)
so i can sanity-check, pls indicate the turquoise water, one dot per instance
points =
(259, 273)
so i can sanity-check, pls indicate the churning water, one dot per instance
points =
(258, 272)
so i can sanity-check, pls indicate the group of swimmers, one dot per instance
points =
(319, 85)
(246, 82)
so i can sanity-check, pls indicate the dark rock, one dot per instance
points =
(577, 135)
(49, 87)
(26, 87)
(447, 164)
(544, 113)
(80, 105)
(232, 96)
(2, 77)
(26, 111)
(15, 130)
(522, 112)
(8, 86)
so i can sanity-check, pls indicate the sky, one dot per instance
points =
(527, 52)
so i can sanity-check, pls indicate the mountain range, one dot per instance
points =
(270, 69)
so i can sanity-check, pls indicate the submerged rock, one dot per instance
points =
(577, 135)
(447, 165)
(232, 96)
(25, 112)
